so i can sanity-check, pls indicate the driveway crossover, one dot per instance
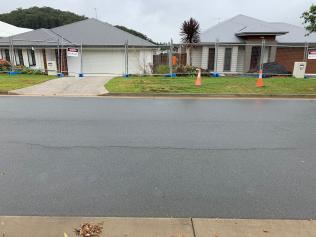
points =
(71, 86)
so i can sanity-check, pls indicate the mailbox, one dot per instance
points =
(52, 68)
(299, 69)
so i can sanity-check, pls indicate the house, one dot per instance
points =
(59, 50)
(7, 30)
(234, 46)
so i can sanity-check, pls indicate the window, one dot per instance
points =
(19, 57)
(211, 59)
(7, 55)
(228, 59)
(31, 57)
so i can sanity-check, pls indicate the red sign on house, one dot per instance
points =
(72, 52)
(312, 54)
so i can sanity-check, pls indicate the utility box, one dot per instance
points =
(52, 68)
(299, 69)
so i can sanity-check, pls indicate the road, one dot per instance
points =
(158, 157)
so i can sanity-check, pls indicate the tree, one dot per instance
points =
(309, 18)
(136, 33)
(190, 31)
(190, 34)
(40, 17)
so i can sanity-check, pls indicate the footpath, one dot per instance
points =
(155, 227)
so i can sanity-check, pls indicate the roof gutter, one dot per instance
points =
(261, 33)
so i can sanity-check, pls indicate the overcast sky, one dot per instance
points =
(161, 19)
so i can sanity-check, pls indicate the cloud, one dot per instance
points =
(161, 20)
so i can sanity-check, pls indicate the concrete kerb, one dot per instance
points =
(311, 96)
(158, 227)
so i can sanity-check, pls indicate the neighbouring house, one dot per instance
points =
(238, 42)
(7, 30)
(58, 50)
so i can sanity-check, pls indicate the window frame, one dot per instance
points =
(211, 66)
(228, 60)
(31, 57)
(7, 55)
(18, 54)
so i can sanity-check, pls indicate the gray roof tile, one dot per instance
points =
(90, 32)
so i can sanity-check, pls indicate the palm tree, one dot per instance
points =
(190, 34)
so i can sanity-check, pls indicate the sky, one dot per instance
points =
(161, 19)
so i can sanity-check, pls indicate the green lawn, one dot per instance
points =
(13, 82)
(221, 85)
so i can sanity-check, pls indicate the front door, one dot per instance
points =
(255, 58)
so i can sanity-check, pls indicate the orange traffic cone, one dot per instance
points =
(198, 81)
(260, 80)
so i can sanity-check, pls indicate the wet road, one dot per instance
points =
(158, 157)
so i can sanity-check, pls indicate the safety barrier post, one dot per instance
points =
(81, 66)
(170, 57)
(216, 58)
(306, 49)
(260, 79)
(126, 59)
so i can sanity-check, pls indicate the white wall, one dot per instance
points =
(50, 54)
(38, 58)
(220, 59)
(200, 57)
(25, 58)
(241, 59)
(196, 54)
(234, 59)
(146, 61)
(204, 59)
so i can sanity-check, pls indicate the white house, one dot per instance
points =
(234, 45)
(7, 30)
(103, 50)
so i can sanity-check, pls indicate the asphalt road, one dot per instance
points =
(158, 157)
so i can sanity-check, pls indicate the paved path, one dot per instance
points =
(150, 227)
(158, 157)
(67, 86)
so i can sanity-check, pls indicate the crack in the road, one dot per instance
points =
(102, 147)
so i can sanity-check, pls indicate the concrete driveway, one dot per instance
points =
(67, 86)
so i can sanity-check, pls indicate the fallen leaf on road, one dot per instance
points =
(89, 230)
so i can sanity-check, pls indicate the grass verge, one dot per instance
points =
(221, 85)
(14, 82)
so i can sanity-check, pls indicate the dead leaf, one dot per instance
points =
(89, 230)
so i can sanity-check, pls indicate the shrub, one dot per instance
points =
(30, 71)
(185, 69)
(163, 69)
(4, 65)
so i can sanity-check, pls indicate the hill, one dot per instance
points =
(47, 17)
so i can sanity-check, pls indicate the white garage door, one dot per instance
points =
(100, 61)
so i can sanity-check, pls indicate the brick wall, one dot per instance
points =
(288, 56)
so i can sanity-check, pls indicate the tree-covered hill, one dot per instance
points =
(40, 17)
(47, 17)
